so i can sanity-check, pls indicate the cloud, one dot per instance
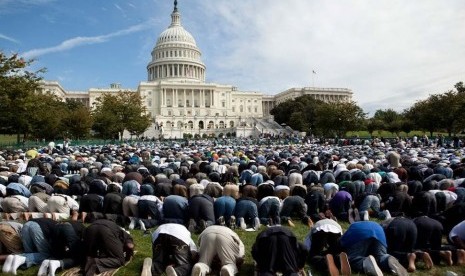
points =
(379, 49)
(118, 7)
(82, 40)
(2, 36)
(11, 6)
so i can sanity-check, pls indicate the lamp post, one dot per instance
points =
(240, 118)
(172, 126)
(193, 125)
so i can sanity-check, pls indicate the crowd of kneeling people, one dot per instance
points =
(64, 210)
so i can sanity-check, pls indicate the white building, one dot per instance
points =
(181, 102)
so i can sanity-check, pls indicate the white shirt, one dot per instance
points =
(176, 230)
(325, 225)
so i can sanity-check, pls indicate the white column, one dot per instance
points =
(202, 96)
(192, 97)
(176, 98)
(163, 97)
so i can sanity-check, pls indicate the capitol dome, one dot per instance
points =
(176, 55)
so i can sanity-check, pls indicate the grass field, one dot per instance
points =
(144, 250)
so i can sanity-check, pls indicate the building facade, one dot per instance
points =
(180, 101)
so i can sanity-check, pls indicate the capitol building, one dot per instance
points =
(180, 101)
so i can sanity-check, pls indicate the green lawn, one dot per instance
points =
(144, 249)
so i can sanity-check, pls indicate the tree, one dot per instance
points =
(372, 124)
(77, 121)
(299, 114)
(421, 114)
(46, 120)
(18, 88)
(390, 120)
(336, 119)
(114, 113)
(459, 87)
(139, 125)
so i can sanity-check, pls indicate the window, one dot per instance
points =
(223, 104)
(149, 103)
(233, 109)
(256, 109)
(241, 109)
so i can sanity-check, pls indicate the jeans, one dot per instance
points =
(361, 250)
(269, 209)
(371, 202)
(224, 207)
(175, 209)
(36, 247)
(246, 209)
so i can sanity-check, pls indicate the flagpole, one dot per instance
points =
(313, 78)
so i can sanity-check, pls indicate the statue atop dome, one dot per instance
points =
(175, 6)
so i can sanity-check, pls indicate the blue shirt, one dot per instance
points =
(363, 230)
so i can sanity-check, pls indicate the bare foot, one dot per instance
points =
(427, 260)
(332, 268)
(411, 262)
(83, 217)
(356, 215)
(310, 222)
(291, 224)
(74, 215)
(446, 256)
(26, 216)
(460, 256)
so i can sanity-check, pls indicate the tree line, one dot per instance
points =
(443, 112)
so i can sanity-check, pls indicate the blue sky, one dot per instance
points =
(389, 52)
